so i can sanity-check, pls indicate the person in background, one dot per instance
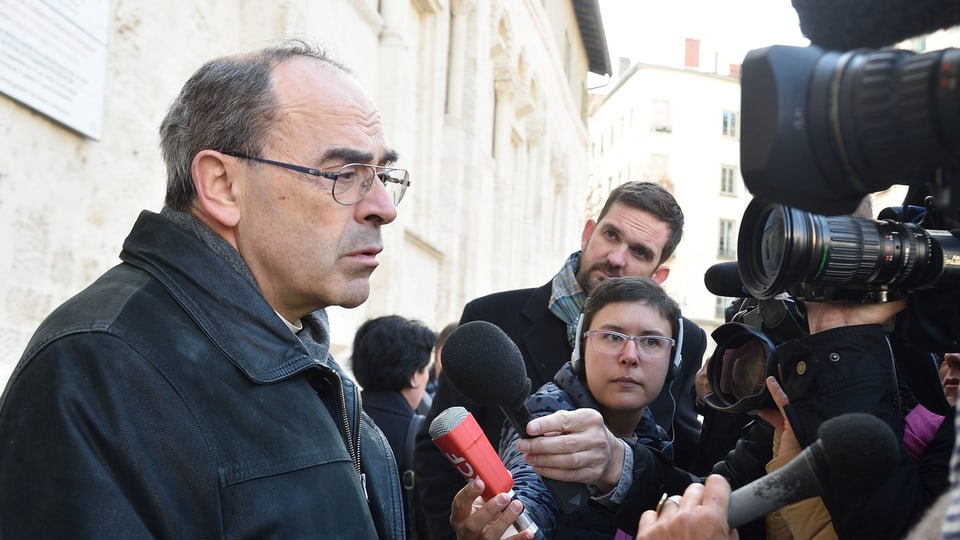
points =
(950, 376)
(189, 392)
(391, 360)
(621, 365)
(437, 364)
(637, 230)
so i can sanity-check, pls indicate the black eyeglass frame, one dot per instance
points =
(379, 172)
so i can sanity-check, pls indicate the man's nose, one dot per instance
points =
(618, 256)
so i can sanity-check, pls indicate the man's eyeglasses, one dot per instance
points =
(351, 182)
(648, 347)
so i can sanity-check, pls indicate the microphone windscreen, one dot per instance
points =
(447, 421)
(859, 449)
(485, 365)
(852, 24)
(723, 279)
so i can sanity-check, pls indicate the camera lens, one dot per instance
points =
(838, 258)
(738, 369)
(743, 371)
(821, 129)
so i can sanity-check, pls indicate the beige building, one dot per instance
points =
(485, 99)
(678, 126)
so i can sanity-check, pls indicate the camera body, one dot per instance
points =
(822, 129)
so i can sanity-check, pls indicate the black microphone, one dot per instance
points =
(485, 365)
(853, 454)
(852, 24)
(723, 279)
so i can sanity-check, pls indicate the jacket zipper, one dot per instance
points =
(353, 445)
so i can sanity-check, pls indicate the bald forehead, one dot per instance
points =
(301, 80)
(315, 93)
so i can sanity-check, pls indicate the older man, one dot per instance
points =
(189, 392)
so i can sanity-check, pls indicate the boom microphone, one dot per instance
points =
(485, 365)
(723, 279)
(460, 439)
(853, 454)
(852, 24)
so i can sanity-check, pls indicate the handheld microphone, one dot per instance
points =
(852, 24)
(485, 365)
(852, 455)
(460, 439)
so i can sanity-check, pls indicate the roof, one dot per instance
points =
(594, 38)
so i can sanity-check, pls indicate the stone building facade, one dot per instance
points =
(486, 101)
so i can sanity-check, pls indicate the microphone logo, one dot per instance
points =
(461, 464)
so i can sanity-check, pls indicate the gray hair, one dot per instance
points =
(228, 105)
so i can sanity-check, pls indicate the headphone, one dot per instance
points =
(576, 357)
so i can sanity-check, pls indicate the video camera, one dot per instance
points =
(820, 130)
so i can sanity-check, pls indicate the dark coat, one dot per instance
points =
(651, 472)
(524, 315)
(167, 400)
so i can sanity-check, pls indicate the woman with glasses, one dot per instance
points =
(622, 361)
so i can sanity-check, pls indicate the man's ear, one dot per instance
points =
(215, 179)
(661, 273)
(587, 232)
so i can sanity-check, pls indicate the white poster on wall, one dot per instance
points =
(53, 57)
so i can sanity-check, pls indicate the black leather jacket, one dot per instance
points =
(167, 400)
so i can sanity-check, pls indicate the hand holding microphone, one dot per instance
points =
(852, 455)
(485, 365)
(457, 434)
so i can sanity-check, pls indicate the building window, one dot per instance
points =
(728, 175)
(727, 248)
(729, 124)
(660, 116)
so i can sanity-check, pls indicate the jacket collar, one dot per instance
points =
(225, 302)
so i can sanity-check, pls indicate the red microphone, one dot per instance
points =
(460, 439)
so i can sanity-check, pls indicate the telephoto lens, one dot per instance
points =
(839, 258)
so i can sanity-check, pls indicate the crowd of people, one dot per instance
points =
(189, 392)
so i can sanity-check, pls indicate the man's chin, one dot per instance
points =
(593, 281)
(353, 295)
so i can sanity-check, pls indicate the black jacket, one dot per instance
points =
(168, 400)
(843, 370)
(524, 315)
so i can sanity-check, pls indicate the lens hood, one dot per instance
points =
(738, 369)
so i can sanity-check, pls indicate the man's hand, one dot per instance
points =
(473, 519)
(575, 446)
(701, 514)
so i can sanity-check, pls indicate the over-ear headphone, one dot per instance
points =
(576, 359)
(677, 355)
